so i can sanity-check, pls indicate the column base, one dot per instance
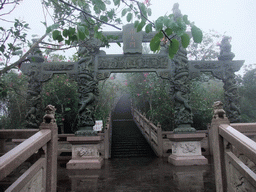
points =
(88, 163)
(187, 160)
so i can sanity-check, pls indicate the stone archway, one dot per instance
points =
(96, 65)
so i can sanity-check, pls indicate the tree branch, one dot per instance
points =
(153, 25)
(23, 58)
(68, 4)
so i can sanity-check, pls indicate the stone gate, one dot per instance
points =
(96, 65)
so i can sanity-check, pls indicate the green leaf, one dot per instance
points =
(65, 33)
(73, 38)
(67, 42)
(67, 109)
(118, 20)
(81, 32)
(185, 40)
(155, 42)
(17, 52)
(168, 31)
(143, 9)
(173, 48)
(96, 9)
(166, 21)
(159, 23)
(185, 19)
(48, 30)
(102, 6)
(159, 35)
(55, 34)
(108, 2)
(71, 30)
(197, 34)
(116, 2)
(129, 17)
(148, 28)
(149, 12)
(80, 3)
(104, 18)
(55, 26)
(124, 12)
(136, 23)
(140, 26)
(52, 27)
(111, 13)
(2, 48)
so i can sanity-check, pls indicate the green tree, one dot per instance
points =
(247, 91)
(69, 29)
(12, 98)
(208, 49)
(61, 92)
(150, 94)
(203, 95)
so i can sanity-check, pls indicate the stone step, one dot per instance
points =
(132, 155)
(131, 150)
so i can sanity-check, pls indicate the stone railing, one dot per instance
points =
(16, 136)
(108, 138)
(152, 133)
(41, 175)
(234, 154)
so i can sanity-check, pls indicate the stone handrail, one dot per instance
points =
(43, 173)
(234, 156)
(152, 133)
(18, 134)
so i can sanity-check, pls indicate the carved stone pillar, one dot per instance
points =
(88, 87)
(231, 97)
(33, 98)
(180, 91)
(88, 92)
(180, 87)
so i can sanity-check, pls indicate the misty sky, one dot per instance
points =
(234, 17)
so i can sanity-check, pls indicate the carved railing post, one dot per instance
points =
(231, 103)
(49, 122)
(160, 139)
(107, 137)
(217, 144)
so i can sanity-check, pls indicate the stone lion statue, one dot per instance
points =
(219, 113)
(49, 117)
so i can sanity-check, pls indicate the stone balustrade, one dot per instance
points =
(234, 154)
(42, 175)
(152, 133)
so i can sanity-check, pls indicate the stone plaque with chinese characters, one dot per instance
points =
(132, 39)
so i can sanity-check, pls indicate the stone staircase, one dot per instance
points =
(127, 140)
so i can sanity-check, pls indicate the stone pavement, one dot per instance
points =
(141, 174)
